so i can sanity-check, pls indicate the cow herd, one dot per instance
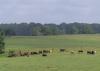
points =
(92, 52)
(28, 53)
(45, 52)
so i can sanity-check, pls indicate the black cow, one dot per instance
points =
(91, 52)
(62, 50)
(80, 51)
(40, 52)
(33, 53)
(46, 51)
(44, 54)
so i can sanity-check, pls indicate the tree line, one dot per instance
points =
(37, 29)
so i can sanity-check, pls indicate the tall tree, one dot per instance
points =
(2, 44)
(74, 30)
(87, 29)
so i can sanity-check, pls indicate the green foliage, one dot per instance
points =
(37, 29)
(74, 30)
(2, 44)
(87, 29)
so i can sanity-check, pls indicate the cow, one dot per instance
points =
(72, 52)
(20, 53)
(40, 52)
(44, 54)
(24, 53)
(62, 50)
(34, 53)
(91, 52)
(11, 54)
(80, 51)
(47, 51)
(50, 51)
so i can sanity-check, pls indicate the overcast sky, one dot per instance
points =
(46, 11)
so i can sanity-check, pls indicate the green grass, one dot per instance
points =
(55, 61)
(53, 41)
(58, 62)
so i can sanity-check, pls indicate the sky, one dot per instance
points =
(50, 11)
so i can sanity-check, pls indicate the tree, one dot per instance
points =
(63, 28)
(87, 29)
(2, 44)
(36, 31)
(9, 32)
(74, 30)
(45, 30)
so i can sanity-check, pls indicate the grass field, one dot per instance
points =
(55, 61)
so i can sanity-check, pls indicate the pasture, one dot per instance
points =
(55, 61)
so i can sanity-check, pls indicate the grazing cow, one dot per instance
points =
(62, 50)
(24, 53)
(80, 51)
(11, 54)
(40, 52)
(91, 52)
(51, 51)
(33, 53)
(44, 54)
(46, 51)
(72, 52)
(21, 53)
